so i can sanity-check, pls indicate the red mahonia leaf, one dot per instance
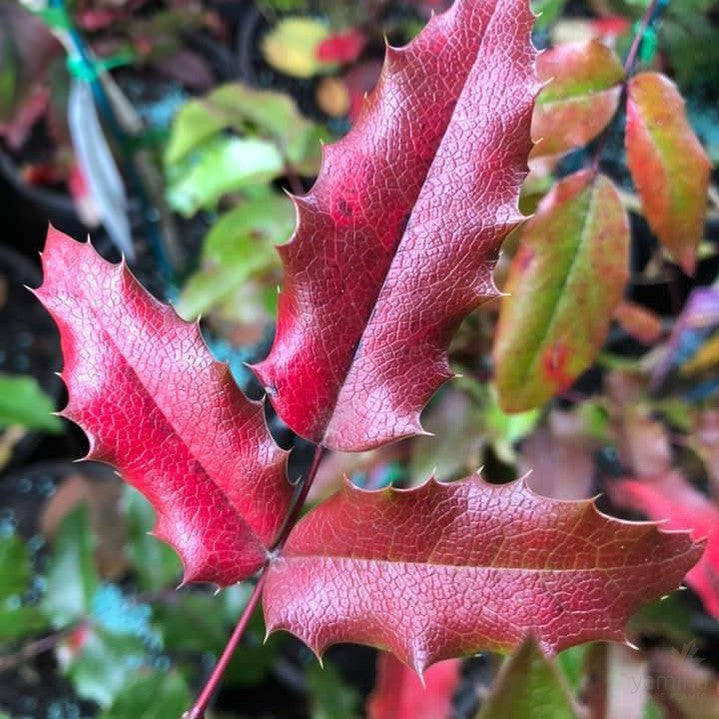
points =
(673, 499)
(400, 694)
(449, 569)
(397, 240)
(154, 403)
(342, 47)
(582, 95)
(668, 165)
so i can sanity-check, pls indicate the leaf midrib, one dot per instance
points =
(539, 570)
(530, 367)
(124, 276)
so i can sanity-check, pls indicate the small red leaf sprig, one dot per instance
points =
(395, 245)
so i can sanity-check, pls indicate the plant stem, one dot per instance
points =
(200, 705)
(637, 42)
(294, 513)
(33, 649)
(629, 63)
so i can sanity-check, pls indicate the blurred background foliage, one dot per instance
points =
(202, 116)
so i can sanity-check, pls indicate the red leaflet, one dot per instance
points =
(397, 240)
(400, 694)
(154, 403)
(448, 569)
(673, 499)
(668, 165)
(342, 47)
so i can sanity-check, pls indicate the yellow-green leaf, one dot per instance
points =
(239, 246)
(291, 46)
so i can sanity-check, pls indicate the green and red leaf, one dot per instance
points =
(529, 685)
(445, 570)
(154, 403)
(668, 165)
(564, 285)
(581, 97)
(397, 240)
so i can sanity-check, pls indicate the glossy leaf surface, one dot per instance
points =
(449, 569)
(670, 498)
(581, 97)
(564, 284)
(528, 685)
(400, 694)
(668, 165)
(153, 402)
(397, 240)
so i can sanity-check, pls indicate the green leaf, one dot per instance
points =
(652, 711)
(668, 165)
(156, 564)
(23, 403)
(571, 662)
(580, 99)
(18, 621)
(72, 578)
(239, 246)
(330, 696)
(291, 47)
(103, 663)
(211, 619)
(267, 114)
(14, 566)
(548, 11)
(528, 685)
(223, 165)
(564, 283)
(154, 695)
(195, 123)
(670, 617)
